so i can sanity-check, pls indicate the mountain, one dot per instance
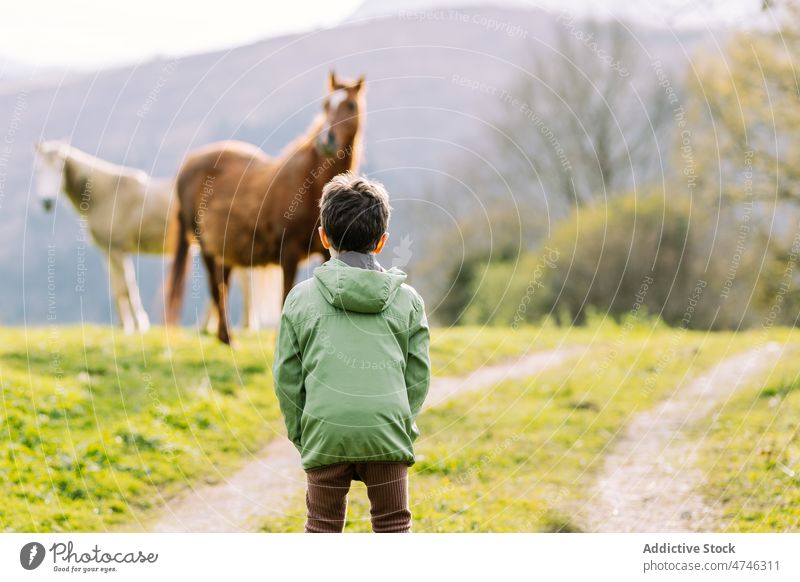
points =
(370, 9)
(659, 13)
(429, 105)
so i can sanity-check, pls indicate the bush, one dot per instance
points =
(635, 255)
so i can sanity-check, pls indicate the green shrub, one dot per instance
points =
(638, 255)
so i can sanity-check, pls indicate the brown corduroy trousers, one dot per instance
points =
(387, 489)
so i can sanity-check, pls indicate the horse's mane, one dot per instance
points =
(71, 153)
(306, 140)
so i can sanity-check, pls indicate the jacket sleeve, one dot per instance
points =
(287, 371)
(418, 366)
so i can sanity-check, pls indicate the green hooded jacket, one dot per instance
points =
(351, 365)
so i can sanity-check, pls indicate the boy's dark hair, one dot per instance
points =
(354, 212)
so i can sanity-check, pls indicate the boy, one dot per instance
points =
(351, 365)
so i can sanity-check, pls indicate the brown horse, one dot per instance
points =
(246, 209)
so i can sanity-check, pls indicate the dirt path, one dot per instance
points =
(650, 480)
(266, 485)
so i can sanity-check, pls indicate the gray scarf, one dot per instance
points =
(360, 260)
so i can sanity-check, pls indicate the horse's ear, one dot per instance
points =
(332, 84)
(359, 84)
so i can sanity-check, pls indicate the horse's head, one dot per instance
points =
(343, 108)
(50, 171)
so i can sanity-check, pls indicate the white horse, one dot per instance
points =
(126, 211)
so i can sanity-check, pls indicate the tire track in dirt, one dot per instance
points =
(650, 481)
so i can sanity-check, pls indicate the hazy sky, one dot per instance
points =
(87, 34)
(90, 33)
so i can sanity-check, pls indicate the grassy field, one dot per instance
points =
(753, 453)
(99, 428)
(522, 457)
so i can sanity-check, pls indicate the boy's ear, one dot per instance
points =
(324, 238)
(381, 243)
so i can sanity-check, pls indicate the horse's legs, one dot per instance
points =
(224, 321)
(210, 319)
(251, 314)
(289, 264)
(251, 319)
(269, 288)
(119, 289)
(218, 275)
(139, 314)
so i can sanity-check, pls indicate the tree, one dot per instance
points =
(745, 105)
(586, 121)
(645, 252)
(583, 124)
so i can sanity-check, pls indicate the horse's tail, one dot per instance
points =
(177, 280)
(180, 259)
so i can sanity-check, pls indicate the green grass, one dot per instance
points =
(458, 350)
(99, 428)
(522, 457)
(752, 453)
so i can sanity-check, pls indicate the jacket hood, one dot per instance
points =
(355, 289)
